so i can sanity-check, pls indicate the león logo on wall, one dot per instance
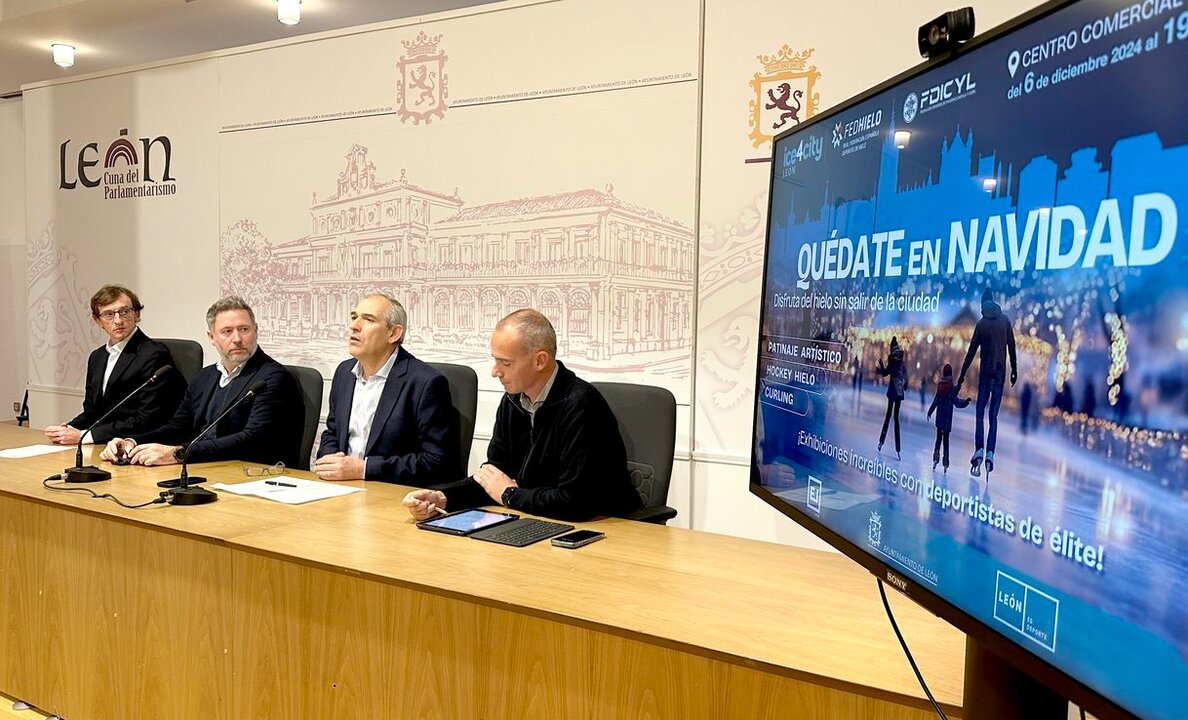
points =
(127, 172)
(421, 87)
(785, 93)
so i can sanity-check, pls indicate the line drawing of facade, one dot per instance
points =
(615, 278)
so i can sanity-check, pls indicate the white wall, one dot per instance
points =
(12, 254)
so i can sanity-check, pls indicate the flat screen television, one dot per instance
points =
(973, 351)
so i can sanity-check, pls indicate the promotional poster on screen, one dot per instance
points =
(974, 348)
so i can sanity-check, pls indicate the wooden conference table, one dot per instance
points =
(343, 609)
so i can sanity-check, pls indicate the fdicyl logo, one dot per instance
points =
(949, 91)
(127, 173)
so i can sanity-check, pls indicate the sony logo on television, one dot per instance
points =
(899, 583)
(810, 148)
(947, 91)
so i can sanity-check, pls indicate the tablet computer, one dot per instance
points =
(466, 521)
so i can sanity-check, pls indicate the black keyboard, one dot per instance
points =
(521, 532)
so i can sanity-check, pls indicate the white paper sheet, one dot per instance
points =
(288, 490)
(32, 451)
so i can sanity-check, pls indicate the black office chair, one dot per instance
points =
(187, 356)
(311, 384)
(647, 422)
(464, 392)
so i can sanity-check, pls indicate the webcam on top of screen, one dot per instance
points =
(946, 32)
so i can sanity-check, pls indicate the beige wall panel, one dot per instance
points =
(579, 206)
(12, 253)
(500, 53)
(163, 246)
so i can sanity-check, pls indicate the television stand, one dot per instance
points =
(998, 690)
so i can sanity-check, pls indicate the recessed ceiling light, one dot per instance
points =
(288, 11)
(63, 54)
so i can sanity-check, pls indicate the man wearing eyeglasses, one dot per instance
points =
(116, 368)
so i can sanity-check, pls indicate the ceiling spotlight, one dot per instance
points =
(288, 11)
(63, 54)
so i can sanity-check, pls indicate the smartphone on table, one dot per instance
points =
(578, 538)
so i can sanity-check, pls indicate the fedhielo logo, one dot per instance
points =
(910, 105)
(855, 133)
(127, 172)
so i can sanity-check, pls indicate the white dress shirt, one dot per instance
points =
(226, 377)
(113, 356)
(364, 404)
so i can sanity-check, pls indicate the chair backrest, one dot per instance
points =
(647, 422)
(311, 384)
(464, 392)
(187, 356)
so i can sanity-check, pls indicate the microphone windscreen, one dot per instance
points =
(257, 387)
(161, 371)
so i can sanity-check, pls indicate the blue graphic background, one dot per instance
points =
(1092, 439)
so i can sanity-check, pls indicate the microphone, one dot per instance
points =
(90, 473)
(186, 495)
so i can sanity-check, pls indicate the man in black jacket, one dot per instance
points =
(555, 449)
(116, 368)
(265, 428)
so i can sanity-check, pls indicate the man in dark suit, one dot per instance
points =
(391, 417)
(265, 428)
(118, 367)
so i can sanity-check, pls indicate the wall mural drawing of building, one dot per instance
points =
(615, 278)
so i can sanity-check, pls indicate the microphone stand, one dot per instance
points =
(90, 473)
(184, 494)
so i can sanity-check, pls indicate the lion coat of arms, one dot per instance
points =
(784, 93)
(421, 88)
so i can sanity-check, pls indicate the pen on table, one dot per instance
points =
(279, 483)
(434, 508)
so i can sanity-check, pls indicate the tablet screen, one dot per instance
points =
(467, 521)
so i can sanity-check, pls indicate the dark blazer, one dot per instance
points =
(148, 409)
(414, 436)
(265, 428)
